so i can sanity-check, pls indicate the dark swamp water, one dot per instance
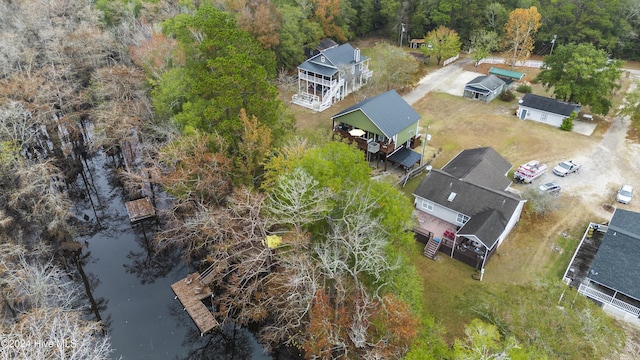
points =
(131, 283)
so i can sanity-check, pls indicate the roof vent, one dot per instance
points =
(321, 58)
(451, 197)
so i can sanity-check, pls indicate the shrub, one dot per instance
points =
(567, 124)
(507, 96)
(524, 88)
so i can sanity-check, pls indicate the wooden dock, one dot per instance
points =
(140, 209)
(191, 291)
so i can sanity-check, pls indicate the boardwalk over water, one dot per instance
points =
(191, 291)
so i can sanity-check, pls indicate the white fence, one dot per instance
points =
(607, 299)
(450, 60)
(529, 63)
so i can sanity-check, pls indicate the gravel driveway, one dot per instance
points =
(606, 165)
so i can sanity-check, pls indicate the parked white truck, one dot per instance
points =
(528, 172)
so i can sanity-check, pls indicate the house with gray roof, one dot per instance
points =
(330, 75)
(545, 110)
(465, 209)
(613, 278)
(484, 88)
(384, 126)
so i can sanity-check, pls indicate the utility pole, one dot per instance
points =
(553, 42)
(427, 137)
(401, 32)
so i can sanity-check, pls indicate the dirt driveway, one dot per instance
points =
(606, 165)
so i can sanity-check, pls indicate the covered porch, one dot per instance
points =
(375, 145)
(463, 249)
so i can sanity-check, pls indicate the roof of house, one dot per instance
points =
(325, 44)
(489, 209)
(482, 166)
(547, 104)
(616, 263)
(506, 73)
(333, 57)
(388, 111)
(485, 84)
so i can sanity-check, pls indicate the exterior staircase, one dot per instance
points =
(432, 247)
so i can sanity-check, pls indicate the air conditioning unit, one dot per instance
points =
(373, 147)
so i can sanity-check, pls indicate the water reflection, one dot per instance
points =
(130, 282)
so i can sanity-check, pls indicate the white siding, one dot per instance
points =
(512, 222)
(438, 211)
(539, 116)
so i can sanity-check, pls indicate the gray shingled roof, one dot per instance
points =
(334, 57)
(388, 111)
(482, 166)
(548, 104)
(485, 84)
(617, 262)
(489, 209)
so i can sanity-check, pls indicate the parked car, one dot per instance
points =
(625, 194)
(565, 168)
(550, 188)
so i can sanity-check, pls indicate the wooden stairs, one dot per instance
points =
(432, 247)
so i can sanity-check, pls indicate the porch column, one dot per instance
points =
(453, 248)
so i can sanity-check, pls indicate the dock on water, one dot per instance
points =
(140, 209)
(191, 291)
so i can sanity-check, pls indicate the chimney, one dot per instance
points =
(356, 55)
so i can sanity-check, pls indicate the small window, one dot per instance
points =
(427, 205)
(462, 219)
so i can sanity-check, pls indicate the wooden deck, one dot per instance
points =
(140, 209)
(190, 291)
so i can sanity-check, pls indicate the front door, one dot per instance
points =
(523, 114)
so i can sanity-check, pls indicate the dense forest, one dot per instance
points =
(184, 92)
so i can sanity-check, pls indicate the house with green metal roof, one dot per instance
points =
(385, 126)
(330, 75)
(508, 75)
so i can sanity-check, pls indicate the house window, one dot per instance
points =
(462, 219)
(427, 205)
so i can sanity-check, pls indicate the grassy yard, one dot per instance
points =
(538, 248)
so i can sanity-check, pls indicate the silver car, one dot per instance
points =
(550, 188)
(625, 194)
(565, 168)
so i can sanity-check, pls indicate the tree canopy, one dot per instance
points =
(519, 31)
(225, 71)
(441, 43)
(582, 74)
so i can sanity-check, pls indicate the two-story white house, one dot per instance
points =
(329, 76)
(465, 209)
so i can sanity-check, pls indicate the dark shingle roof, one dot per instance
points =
(487, 82)
(489, 209)
(388, 111)
(547, 104)
(616, 264)
(482, 166)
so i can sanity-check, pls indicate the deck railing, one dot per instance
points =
(608, 299)
(318, 80)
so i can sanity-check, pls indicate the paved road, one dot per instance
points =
(435, 78)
